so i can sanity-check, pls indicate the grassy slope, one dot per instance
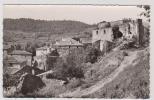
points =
(107, 65)
(117, 75)
(113, 77)
(133, 82)
(99, 72)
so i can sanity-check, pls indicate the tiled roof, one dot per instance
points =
(20, 52)
(11, 60)
(68, 42)
(86, 40)
(42, 48)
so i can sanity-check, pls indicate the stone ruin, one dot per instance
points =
(107, 32)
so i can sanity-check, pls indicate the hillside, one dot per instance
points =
(119, 74)
(123, 74)
(132, 82)
(55, 26)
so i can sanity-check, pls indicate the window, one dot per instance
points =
(104, 31)
(97, 32)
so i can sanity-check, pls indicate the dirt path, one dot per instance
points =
(128, 60)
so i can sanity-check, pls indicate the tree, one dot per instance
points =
(54, 53)
(18, 47)
(28, 46)
(31, 48)
(74, 64)
(51, 59)
(33, 51)
(69, 67)
(92, 55)
(146, 12)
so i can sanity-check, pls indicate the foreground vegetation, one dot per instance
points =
(131, 82)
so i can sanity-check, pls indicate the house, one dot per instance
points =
(111, 31)
(11, 64)
(66, 44)
(22, 56)
(86, 40)
(41, 56)
(41, 60)
(43, 39)
(43, 51)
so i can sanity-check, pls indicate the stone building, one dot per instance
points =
(66, 44)
(110, 31)
(22, 56)
(43, 51)
(41, 60)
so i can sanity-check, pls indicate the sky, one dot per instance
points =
(85, 13)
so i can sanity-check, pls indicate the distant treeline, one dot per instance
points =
(55, 26)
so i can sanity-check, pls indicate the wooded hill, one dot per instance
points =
(54, 27)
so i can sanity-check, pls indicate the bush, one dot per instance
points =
(69, 67)
(52, 89)
(54, 53)
(93, 55)
(10, 80)
(73, 83)
(60, 72)
(31, 83)
(74, 64)
(51, 59)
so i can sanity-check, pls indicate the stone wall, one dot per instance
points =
(102, 34)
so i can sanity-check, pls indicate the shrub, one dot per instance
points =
(60, 71)
(10, 80)
(73, 62)
(69, 67)
(51, 59)
(92, 55)
(73, 83)
(52, 89)
(54, 53)
(31, 83)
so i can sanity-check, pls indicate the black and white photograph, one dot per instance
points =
(76, 51)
